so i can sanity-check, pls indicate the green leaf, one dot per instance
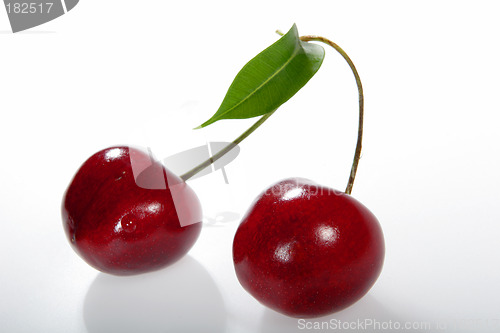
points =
(271, 78)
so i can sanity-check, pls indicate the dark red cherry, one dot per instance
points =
(306, 250)
(124, 213)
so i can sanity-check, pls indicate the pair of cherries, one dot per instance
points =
(301, 249)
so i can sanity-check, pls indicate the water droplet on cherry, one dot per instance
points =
(128, 223)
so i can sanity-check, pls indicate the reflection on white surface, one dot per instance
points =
(366, 309)
(180, 298)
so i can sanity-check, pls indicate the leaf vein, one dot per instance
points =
(279, 70)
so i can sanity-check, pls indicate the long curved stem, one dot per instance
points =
(357, 152)
(227, 148)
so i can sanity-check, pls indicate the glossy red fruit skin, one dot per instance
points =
(307, 251)
(121, 228)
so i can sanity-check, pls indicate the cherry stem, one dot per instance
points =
(357, 153)
(227, 148)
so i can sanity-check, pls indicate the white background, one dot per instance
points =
(145, 73)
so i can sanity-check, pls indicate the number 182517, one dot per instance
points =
(29, 7)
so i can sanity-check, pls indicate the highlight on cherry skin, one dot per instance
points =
(124, 213)
(306, 251)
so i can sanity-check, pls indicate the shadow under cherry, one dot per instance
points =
(180, 298)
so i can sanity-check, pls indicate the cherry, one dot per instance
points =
(124, 213)
(306, 250)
